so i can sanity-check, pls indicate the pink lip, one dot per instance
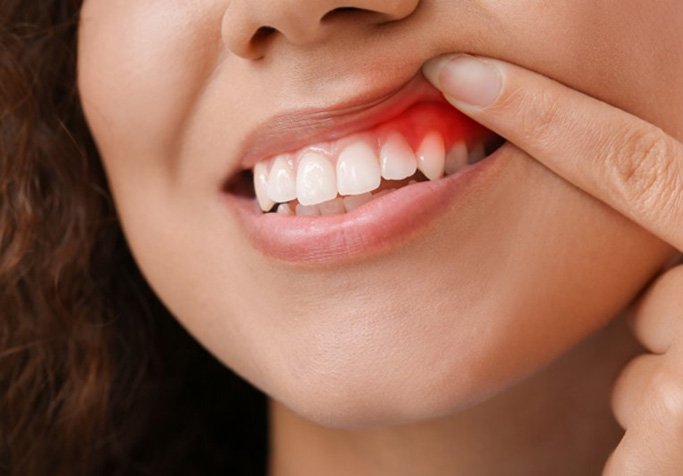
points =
(292, 130)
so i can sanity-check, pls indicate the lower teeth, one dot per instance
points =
(339, 206)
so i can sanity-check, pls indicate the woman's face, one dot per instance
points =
(502, 279)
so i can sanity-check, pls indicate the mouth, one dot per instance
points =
(329, 185)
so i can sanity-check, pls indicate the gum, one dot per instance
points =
(422, 118)
(414, 124)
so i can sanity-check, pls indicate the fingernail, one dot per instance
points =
(466, 79)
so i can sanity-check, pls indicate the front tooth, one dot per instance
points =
(431, 156)
(456, 158)
(332, 207)
(358, 169)
(397, 158)
(281, 181)
(354, 201)
(307, 210)
(261, 186)
(477, 153)
(315, 181)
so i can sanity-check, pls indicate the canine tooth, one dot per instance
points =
(477, 153)
(456, 158)
(261, 186)
(397, 159)
(281, 181)
(315, 181)
(332, 207)
(431, 156)
(307, 210)
(358, 169)
(285, 209)
(354, 201)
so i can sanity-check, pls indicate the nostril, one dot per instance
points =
(373, 12)
(342, 12)
(262, 34)
(257, 41)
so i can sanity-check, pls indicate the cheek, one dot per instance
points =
(141, 65)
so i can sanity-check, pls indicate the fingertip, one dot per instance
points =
(465, 79)
(432, 69)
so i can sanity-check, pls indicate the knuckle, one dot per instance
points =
(612, 466)
(624, 461)
(626, 396)
(666, 394)
(654, 315)
(642, 164)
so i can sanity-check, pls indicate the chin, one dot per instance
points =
(373, 375)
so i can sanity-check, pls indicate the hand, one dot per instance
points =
(648, 397)
(637, 169)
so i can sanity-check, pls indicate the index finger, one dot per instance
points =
(628, 163)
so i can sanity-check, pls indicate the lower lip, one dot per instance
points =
(378, 226)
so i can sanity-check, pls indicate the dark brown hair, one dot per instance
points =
(95, 376)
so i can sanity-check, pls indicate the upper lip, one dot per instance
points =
(291, 130)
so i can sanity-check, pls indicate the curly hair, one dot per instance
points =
(96, 377)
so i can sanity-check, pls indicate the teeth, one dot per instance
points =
(397, 158)
(431, 156)
(332, 207)
(307, 210)
(354, 201)
(281, 181)
(312, 185)
(477, 153)
(456, 158)
(315, 180)
(285, 209)
(358, 169)
(261, 186)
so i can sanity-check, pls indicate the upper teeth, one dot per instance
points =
(315, 179)
(281, 180)
(315, 175)
(397, 158)
(358, 169)
(431, 156)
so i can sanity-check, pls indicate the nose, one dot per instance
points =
(249, 25)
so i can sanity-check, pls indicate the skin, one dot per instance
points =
(637, 169)
(365, 352)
